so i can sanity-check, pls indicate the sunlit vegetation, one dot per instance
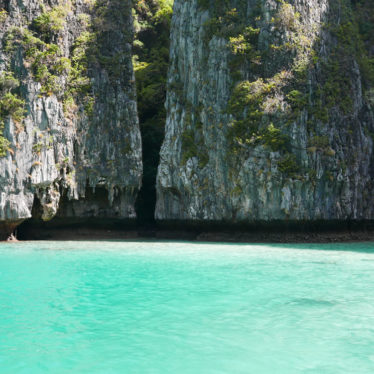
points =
(271, 85)
(10, 106)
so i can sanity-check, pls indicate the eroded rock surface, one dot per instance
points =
(69, 64)
(269, 113)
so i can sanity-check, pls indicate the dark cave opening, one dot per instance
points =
(146, 202)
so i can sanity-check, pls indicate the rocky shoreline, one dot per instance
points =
(317, 233)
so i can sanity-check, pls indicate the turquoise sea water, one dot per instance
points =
(143, 307)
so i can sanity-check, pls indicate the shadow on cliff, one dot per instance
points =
(91, 216)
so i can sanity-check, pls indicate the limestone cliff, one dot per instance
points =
(69, 136)
(269, 112)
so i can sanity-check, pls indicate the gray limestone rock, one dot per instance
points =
(80, 131)
(268, 114)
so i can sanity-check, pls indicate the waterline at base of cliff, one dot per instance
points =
(273, 232)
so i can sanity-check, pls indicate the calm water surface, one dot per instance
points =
(144, 307)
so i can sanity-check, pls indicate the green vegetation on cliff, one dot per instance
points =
(52, 21)
(10, 106)
(44, 59)
(59, 74)
(364, 18)
(272, 77)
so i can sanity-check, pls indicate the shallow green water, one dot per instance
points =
(117, 307)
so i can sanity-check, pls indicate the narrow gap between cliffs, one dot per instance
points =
(151, 60)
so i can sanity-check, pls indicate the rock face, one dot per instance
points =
(69, 137)
(269, 113)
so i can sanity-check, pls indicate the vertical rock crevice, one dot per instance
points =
(151, 61)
